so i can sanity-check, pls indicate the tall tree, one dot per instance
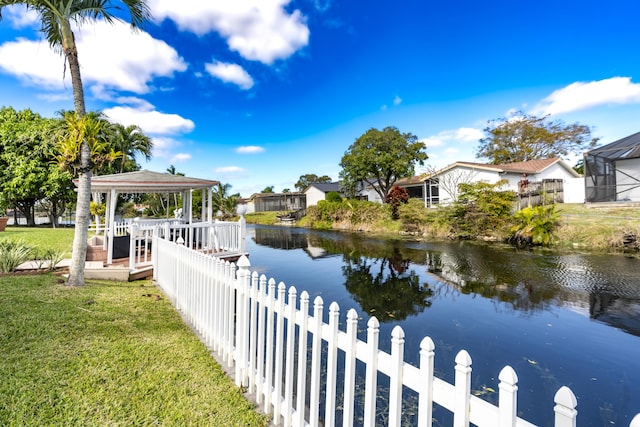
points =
(522, 137)
(56, 17)
(130, 140)
(310, 178)
(379, 158)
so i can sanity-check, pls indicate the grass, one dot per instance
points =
(106, 354)
(59, 239)
(596, 228)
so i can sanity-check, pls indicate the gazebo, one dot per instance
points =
(147, 182)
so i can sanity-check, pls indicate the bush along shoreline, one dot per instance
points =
(482, 213)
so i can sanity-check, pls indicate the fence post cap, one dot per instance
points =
(508, 375)
(565, 397)
(243, 262)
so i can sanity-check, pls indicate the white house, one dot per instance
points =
(441, 187)
(318, 191)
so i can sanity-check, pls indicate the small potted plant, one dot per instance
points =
(3, 214)
(3, 219)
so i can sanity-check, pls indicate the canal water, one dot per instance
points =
(557, 318)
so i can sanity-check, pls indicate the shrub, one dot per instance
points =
(12, 254)
(536, 225)
(397, 196)
(333, 196)
(482, 209)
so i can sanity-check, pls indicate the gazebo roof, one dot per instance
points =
(145, 181)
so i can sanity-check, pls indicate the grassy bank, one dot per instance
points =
(107, 353)
(582, 228)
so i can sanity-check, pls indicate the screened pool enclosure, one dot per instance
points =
(612, 172)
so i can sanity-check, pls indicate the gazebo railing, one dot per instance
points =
(219, 238)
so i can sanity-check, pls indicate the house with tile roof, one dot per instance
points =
(441, 186)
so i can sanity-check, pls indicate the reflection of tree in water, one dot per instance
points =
(384, 289)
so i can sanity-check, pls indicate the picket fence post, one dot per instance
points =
(242, 320)
(508, 397)
(395, 380)
(268, 381)
(332, 364)
(277, 395)
(301, 388)
(371, 374)
(462, 389)
(253, 331)
(565, 408)
(316, 347)
(289, 356)
(635, 422)
(262, 289)
(425, 402)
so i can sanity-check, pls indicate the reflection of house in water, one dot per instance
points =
(289, 239)
(617, 311)
(603, 286)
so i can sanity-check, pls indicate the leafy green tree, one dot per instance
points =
(27, 175)
(523, 137)
(310, 178)
(268, 190)
(56, 17)
(379, 159)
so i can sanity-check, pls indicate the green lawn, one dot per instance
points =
(106, 354)
(59, 239)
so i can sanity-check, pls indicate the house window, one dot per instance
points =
(432, 189)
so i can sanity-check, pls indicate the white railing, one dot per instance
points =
(280, 352)
(217, 238)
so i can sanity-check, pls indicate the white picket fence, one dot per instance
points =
(281, 353)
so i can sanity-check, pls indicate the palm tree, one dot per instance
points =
(130, 140)
(56, 17)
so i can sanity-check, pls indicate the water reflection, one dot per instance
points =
(385, 288)
(556, 318)
(385, 276)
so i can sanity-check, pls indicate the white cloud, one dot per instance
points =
(260, 30)
(104, 63)
(152, 122)
(583, 95)
(397, 100)
(229, 170)
(461, 135)
(230, 73)
(20, 17)
(180, 157)
(250, 149)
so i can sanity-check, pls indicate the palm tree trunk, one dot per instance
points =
(81, 233)
(81, 230)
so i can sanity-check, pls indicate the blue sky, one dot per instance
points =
(255, 93)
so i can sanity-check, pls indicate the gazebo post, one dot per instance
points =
(209, 205)
(112, 198)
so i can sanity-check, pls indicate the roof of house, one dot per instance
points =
(325, 187)
(528, 167)
(145, 181)
(624, 148)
